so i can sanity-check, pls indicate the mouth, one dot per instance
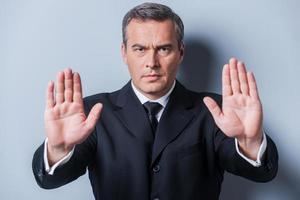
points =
(151, 77)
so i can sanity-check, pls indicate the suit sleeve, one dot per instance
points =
(229, 159)
(82, 157)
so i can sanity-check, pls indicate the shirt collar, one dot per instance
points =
(162, 100)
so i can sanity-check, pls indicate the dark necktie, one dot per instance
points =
(152, 109)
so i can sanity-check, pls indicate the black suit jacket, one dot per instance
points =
(186, 159)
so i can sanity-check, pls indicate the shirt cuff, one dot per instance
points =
(261, 151)
(50, 170)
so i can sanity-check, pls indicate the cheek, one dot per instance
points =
(171, 67)
(133, 67)
(134, 73)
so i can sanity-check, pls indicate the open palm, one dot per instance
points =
(65, 121)
(241, 113)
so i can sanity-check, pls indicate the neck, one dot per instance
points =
(155, 95)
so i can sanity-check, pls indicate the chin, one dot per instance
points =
(153, 86)
(155, 90)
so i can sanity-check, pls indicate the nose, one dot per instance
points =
(152, 61)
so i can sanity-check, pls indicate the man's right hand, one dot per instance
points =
(65, 121)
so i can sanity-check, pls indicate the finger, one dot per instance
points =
(50, 95)
(235, 84)
(252, 85)
(213, 107)
(93, 116)
(68, 85)
(60, 88)
(226, 86)
(77, 88)
(243, 78)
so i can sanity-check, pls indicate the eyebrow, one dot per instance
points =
(165, 46)
(137, 45)
(168, 45)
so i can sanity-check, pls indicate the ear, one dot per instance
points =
(182, 51)
(124, 53)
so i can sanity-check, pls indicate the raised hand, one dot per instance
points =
(65, 121)
(241, 113)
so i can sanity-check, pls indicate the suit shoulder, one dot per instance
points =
(198, 96)
(104, 98)
(95, 98)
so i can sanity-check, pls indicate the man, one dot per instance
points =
(154, 139)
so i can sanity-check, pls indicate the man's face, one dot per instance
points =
(152, 55)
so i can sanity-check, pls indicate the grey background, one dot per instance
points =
(40, 37)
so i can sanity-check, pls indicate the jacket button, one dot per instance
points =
(156, 169)
(269, 166)
(40, 172)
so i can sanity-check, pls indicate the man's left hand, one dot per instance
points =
(241, 113)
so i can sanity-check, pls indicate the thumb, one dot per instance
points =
(213, 108)
(93, 116)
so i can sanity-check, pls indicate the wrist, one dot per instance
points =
(56, 153)
(250, 146)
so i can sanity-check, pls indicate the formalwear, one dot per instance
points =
(185, 159)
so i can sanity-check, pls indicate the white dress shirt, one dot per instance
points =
(163, 101)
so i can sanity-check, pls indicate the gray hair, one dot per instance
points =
(153, 11)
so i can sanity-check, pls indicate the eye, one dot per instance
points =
(139, 49)
(164, 50)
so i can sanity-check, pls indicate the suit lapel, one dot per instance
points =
(175, 118)
(132, 114)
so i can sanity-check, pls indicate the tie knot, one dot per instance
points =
(152, 108)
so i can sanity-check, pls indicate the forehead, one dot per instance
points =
(151, 31)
